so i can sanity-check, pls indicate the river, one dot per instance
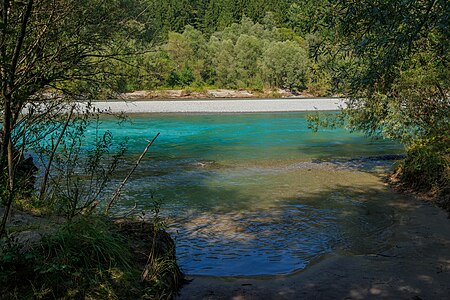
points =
(259, 193)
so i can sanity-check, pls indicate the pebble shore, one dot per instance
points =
(222, 106)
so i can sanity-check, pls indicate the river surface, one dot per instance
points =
(257, 194)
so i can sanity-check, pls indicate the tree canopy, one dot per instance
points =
(49, 46)
(400, 83)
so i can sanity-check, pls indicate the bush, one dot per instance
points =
(83, 258)
(427, 165)
(89, 257)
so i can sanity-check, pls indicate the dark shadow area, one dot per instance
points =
(223, 230)
(370, 163)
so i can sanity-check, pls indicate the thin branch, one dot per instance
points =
(117, 193)
(19, 42)
(52, 155)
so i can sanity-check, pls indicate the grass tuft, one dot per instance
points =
(90, 257)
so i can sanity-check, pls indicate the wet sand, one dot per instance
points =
(417, 266)
(221, 106)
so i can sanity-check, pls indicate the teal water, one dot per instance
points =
(257, 194)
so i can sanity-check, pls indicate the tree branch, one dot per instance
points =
(52, 155)
(19, 43)
(117, 193)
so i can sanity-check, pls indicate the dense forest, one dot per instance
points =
(215, 15)
(229, 44)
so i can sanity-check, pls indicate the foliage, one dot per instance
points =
(178, 44)
(91, 257)
(50, 48)
(83, 258)
(285, 65)
(242, 55)
(211, 15)
(82, 168)
(52, 53)
(400, 85)
(427, 165)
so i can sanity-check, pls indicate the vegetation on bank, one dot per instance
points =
(67, 47)
(399, 83)
(400, 86)
(91, 257)
(244, 55)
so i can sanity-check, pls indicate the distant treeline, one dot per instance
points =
(209, 16)
(229, 44)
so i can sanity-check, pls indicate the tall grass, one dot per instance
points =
(86, 258)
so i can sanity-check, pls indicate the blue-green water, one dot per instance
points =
(255, 194)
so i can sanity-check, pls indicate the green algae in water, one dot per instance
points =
(257, 194)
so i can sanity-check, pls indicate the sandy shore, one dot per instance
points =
(221, 106)
(416, 267)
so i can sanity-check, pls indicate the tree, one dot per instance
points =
(223, 62)
(285, 65)
(401, 83)
(187, 51)
(48, 46)
(248, 50)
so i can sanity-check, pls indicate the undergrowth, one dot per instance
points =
(86, 258)
(426, 169)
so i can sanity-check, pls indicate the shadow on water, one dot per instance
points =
(272, 223)
(243, 197)
(416, 266)
(370, 163)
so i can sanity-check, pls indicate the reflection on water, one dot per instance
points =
(259, 193)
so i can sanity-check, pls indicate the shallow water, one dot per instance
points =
(258, 194)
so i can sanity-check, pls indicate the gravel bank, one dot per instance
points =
(221, 106)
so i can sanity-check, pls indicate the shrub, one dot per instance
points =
(83, 258)
(89, 257)
(427, 165)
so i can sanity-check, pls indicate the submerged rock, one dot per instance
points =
(207, 164)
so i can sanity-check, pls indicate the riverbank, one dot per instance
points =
(416, 267)
(88, 257)
(212, 94)
(221, 106)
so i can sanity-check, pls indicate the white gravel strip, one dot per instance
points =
(221, 106)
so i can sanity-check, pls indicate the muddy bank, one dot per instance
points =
(417, 266)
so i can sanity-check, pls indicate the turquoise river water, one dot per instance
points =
(257, 194)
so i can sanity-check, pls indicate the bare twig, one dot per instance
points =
(52, 154)
(119, 189)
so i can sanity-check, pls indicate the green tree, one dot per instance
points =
(401, 84)
(48, 46)
(248, 51)
(187, 52)
(308, 16)
(223, 62)
(285, 65)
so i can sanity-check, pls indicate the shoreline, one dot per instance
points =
(416, 267)
(213, 93)
(221, 106)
